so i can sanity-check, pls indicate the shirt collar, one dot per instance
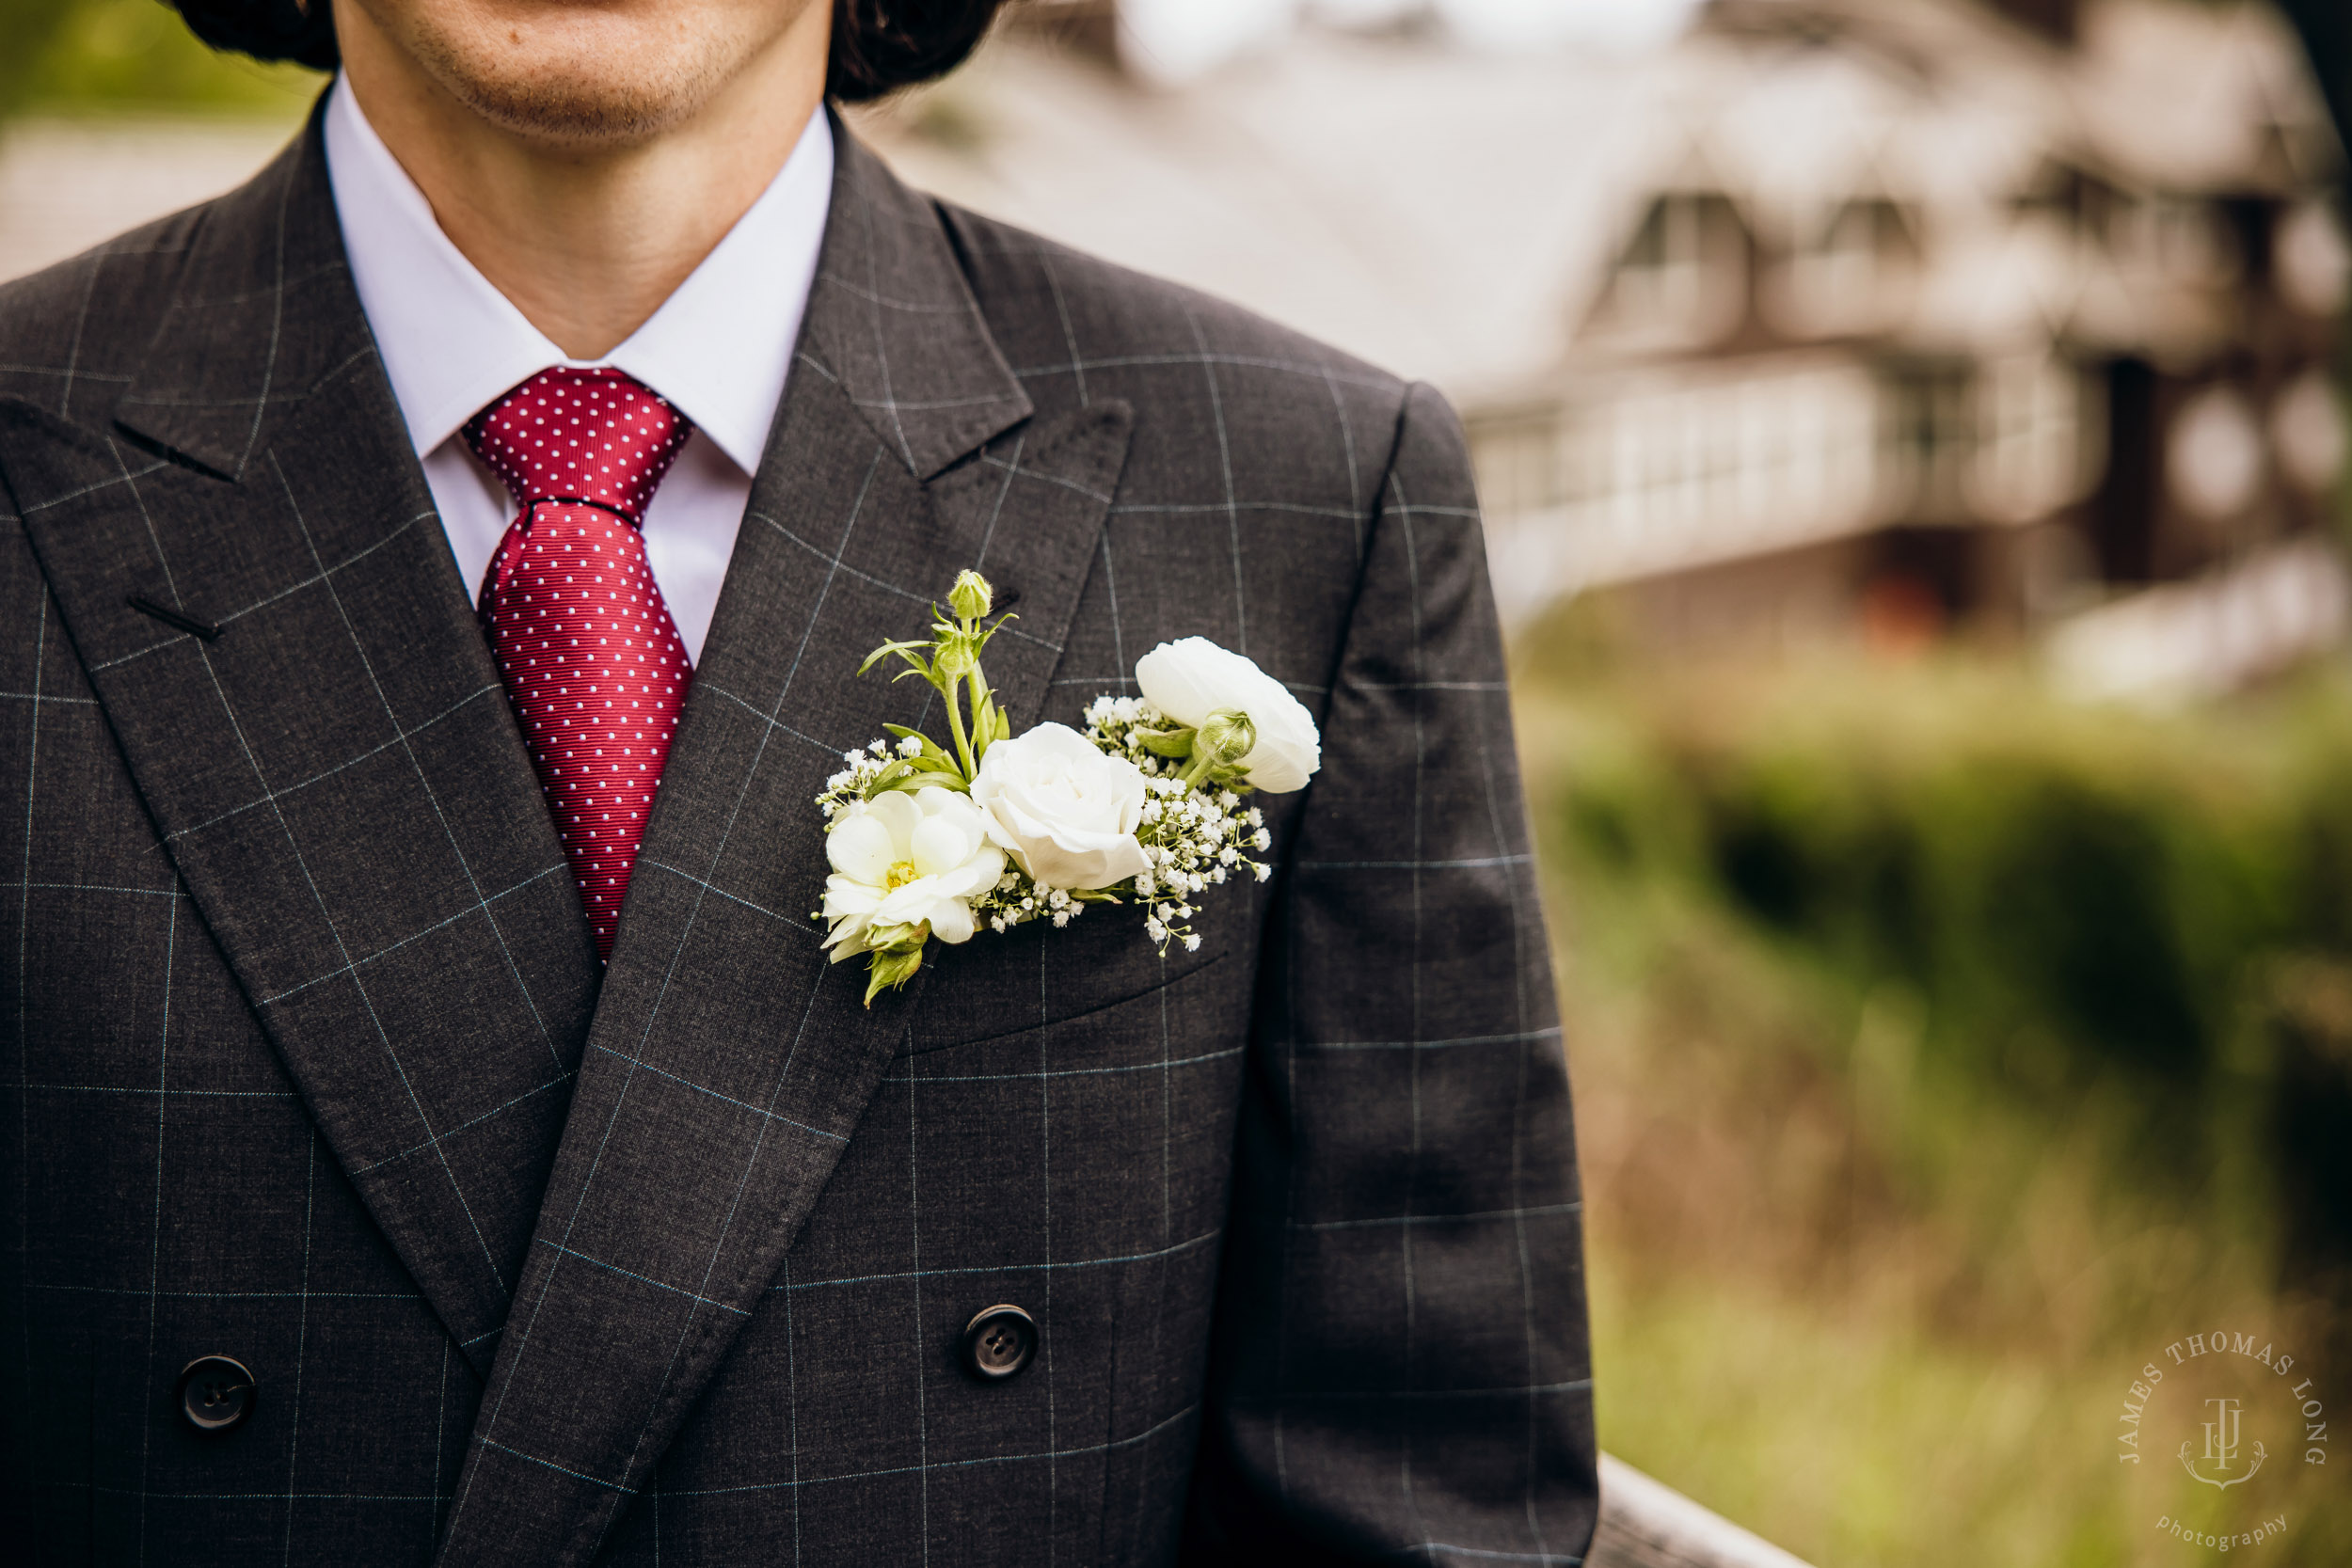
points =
(718, 348)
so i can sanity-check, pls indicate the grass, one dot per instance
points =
(1887, 1202)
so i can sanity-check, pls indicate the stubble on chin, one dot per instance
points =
(579, 86)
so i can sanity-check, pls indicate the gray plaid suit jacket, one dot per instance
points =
(306, 1057)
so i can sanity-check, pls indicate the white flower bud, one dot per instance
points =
(1192, 943)
(956, 660)
(971, 596)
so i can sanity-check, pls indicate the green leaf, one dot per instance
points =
(891, 967)
(1167, 743)
(902, 649)
(1004, 725)
(932, 750)
(881, 780)
(924, 780)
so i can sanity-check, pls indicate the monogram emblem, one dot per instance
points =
(2221, 1447)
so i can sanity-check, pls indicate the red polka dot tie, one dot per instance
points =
(593, 663)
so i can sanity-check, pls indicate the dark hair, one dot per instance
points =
(879, 46)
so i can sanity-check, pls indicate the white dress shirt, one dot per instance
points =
(719, 349)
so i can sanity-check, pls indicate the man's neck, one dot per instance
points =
(588, 240)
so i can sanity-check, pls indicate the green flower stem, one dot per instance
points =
(955, 721)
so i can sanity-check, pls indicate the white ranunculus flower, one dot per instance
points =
(1065, 810)
(906, 860)
(1193, 677)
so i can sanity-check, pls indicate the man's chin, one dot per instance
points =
(586, 109)
(590, 85)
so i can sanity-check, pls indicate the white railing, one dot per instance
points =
(1646, 1523)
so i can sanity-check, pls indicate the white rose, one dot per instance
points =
(1065, 810)
(907, 859)
(1193, 677)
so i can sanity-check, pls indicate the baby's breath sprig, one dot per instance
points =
(1015, 900)
(1195, 837)
(861, 771)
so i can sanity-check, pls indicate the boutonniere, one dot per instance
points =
(1149, 806)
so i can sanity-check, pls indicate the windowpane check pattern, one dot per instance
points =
(306, 1056)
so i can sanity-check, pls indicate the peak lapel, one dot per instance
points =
(893, 322)
(729, 1063)
(336, 775)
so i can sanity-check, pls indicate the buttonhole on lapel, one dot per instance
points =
(1004, 598)
(179, 620)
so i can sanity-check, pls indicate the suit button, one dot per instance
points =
(998, 1342)
(216, 1393)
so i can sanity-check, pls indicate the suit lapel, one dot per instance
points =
(728, 1063)
(336, 775)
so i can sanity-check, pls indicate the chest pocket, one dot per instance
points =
(1035, 974)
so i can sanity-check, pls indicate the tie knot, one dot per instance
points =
(580, 435)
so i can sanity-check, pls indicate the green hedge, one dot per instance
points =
(2154, 910)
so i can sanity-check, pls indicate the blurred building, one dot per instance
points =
(1833, 317)
(1934, 314)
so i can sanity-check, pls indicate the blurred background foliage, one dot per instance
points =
(1944, 1050)
(111, 57)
